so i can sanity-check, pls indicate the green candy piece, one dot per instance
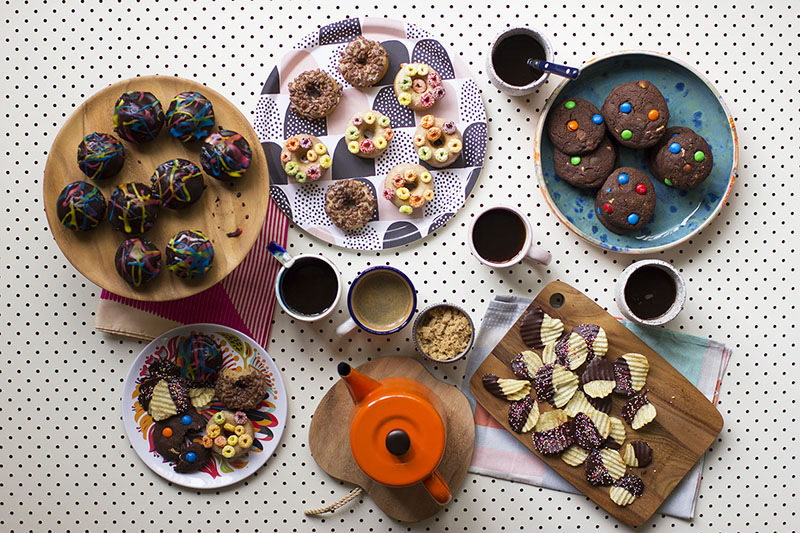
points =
(569, 104)
(666, 180)
(699, 156)
(575, 160)
(626, 134)
(219, 418)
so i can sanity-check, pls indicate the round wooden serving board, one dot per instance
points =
(223, 208)
(329, 440)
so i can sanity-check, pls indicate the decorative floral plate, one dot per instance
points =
(694, 103)
(238, 350)
(404, 42)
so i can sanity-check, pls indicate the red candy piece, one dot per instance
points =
(607, 208)
(641, 188)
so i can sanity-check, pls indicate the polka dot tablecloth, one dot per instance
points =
(66, 463)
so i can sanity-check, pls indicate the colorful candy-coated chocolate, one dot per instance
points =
(641, 188)
(623, 178)
(699, 156)
(608, 208)
(597, 118)
(667, 182)
(186, 420)
(569, 104)
(633, 218)
(653, 114)
(625, 107)
(575, 160)
(626, 134)
(674, 148)
(166, 432)
(572, 125)
(190, 457)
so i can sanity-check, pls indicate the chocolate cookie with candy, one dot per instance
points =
(589, 170)
(169, 435)
(681, 159)
(636, 114)
(626, 201)
(575, 126)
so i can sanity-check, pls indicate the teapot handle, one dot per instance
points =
(437, 487)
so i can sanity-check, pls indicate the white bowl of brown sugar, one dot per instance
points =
(443, 333)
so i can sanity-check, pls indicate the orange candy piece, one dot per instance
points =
(653, 114)
(572, 125)
(166, 432)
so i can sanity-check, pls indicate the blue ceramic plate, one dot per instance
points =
(693, 102)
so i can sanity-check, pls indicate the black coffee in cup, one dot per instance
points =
(650, 292)
(309, 286)
(499, 235)
(510, 59)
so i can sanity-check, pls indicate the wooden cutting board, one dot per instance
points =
(223, 207)
(329, 440)
(685, 426)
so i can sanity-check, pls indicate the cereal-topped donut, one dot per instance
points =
(229, 434)
(314, 94)
(368, 134)
(418, 86)
(437, 141)
(363, 62)
(408, 186)
(305, 157)
(349, 204)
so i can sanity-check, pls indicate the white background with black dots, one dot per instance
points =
(65, 461)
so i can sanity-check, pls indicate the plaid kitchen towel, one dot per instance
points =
(244, 300)
(499, 454)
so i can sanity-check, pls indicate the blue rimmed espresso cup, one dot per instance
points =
(308, 287)
(381, 300)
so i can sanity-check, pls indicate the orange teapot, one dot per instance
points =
(397, 431)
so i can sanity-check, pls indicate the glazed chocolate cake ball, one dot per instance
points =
(177, 183)
(138, 117)
(100, 156)
(190, 117)
(225, 155)
(138, 261)
(189, 254)
(133, 208)
(81, 206)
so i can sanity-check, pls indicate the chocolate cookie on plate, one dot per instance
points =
(681, 159)
(626, 201)
(589, 170)
(575, 126)
(636, 114)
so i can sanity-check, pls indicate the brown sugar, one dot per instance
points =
(444, 333)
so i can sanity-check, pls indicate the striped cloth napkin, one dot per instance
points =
(499, 454)
(244, 300)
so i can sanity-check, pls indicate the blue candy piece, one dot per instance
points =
(608, 190)
(598, 210)
(674, 148)
(190, 457)
(622, 179)
(597, 118)
(625, 107)
(186, 420)
(633, 218)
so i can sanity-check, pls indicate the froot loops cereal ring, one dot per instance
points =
(228, 438)
(314, 94)
(418, 86)
(304, 157)
(408, 186)
(437, 141)
(368, 134)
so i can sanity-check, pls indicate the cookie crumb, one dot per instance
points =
(444, 333)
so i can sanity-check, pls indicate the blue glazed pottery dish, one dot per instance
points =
(694, 103)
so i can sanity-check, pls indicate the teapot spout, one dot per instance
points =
(359, 385)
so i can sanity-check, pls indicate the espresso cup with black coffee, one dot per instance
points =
(650, 292)
(507, 61)
(308, 287)
(502, 236)
(381, 300)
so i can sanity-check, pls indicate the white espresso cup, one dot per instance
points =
(501, 236)
(650, 292)
(495, 70)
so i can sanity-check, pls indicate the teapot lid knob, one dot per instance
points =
(397, 442)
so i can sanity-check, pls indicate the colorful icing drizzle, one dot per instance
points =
(138, 116)
(226, 155)
(199, 357)
(174, 182)
(189, 254)
(138, 261)
(81, 206)
(100, 156)
(190, 116)
(135, 206)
